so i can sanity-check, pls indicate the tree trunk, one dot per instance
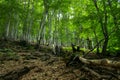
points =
(96, 38)
(42, 23)
(105, 30)
(7, 29)
(101, 62)
(103, 21)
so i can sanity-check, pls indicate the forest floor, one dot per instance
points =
(42, 66)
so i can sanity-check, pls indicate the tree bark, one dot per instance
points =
(42, 23)
(105, 30)
(101, 62)
(103, 21)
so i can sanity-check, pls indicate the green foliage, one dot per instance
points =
(67, 48)
(60, 21)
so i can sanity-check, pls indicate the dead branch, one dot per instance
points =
(92, 72)
(95, 73)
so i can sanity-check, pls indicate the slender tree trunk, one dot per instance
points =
(12, 31)
(43, 20)
(30, 24)
(7, 29)
(96, 38)
(50, 28)
(16, 34)
(113, 14)
(25, 23)
(103, 22)
(105, 30)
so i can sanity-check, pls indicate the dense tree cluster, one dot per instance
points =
(87, 23)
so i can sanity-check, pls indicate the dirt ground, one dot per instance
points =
(47, 67)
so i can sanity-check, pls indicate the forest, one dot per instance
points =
(59, 39)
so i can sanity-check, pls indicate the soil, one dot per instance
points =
(46, 66)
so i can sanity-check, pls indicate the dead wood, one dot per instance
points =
(91, 71)
(104, 71)
(112, 74)
(16, 74)
(95, 73)
(101, 62)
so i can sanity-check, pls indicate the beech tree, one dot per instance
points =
(91, 24)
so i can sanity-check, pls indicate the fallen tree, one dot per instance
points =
(100, 68)
(101, 62)
(105, 66)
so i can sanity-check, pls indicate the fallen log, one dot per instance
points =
(16, 74)
(100, 77)
(101, 62)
